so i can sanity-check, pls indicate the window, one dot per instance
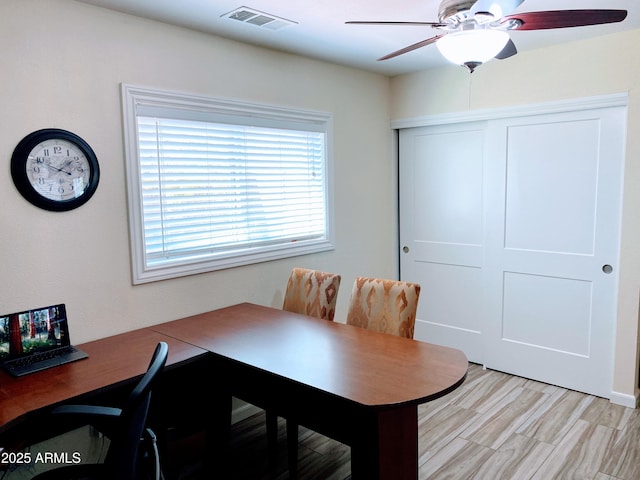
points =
(215, 184)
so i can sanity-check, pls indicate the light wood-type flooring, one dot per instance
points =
(495, 426)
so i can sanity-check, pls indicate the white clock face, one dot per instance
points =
(58, 170)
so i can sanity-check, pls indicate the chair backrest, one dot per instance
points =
(312, 292)
(122, 457)
(387, 306)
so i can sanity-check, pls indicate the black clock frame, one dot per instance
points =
(21, 179)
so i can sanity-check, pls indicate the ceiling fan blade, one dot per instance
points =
(413, 47)
(564, 18)
(419, 24)
(498, 8)
(509, 50)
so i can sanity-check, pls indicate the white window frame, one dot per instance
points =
(140, 101)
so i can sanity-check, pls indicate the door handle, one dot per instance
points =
(606, 268)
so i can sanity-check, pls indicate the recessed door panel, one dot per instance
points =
(551, 197)
(534, 306)
(448, 189)
(448, 307)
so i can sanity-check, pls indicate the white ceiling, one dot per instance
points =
(320, 32)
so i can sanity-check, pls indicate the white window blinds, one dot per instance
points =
(216, 190)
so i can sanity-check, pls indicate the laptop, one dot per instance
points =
(35, 340)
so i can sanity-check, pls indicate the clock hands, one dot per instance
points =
(62, 169)
(58, 169)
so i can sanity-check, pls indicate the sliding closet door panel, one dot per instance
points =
(441, 212)
(553, 305)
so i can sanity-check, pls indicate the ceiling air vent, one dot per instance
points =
(260, 19)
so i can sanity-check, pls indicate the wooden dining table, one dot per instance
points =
(357, 386)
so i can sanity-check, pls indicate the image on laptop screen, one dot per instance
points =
(33, 331)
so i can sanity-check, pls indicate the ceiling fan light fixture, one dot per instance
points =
(472, 47)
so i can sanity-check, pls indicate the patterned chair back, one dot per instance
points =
(312, 293)
(386, 306)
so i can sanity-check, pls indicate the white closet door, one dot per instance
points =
(441, 231)
(512, 227)
(554, 233)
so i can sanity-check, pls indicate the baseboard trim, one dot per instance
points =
(624, 399)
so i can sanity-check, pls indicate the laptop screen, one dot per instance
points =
(33, 331)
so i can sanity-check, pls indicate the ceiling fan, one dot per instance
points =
(474, 31)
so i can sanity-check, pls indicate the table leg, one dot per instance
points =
(292, 449)
(387, 448)
(218, 434)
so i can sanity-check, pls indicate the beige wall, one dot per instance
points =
(599, 66)
(62, 64)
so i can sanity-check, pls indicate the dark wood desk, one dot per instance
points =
(112, 361)
(360, 387)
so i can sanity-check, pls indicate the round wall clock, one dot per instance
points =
(55, 169)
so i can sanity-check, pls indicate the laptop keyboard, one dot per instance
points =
(39, 357)
(43, 360)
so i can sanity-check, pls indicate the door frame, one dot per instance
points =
(560, 106)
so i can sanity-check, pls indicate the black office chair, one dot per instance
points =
(124, 427)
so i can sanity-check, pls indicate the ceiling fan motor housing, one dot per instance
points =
(457, 10)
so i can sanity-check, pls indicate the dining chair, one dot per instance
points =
(125, 428)
(313, 293)
(387, 306)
